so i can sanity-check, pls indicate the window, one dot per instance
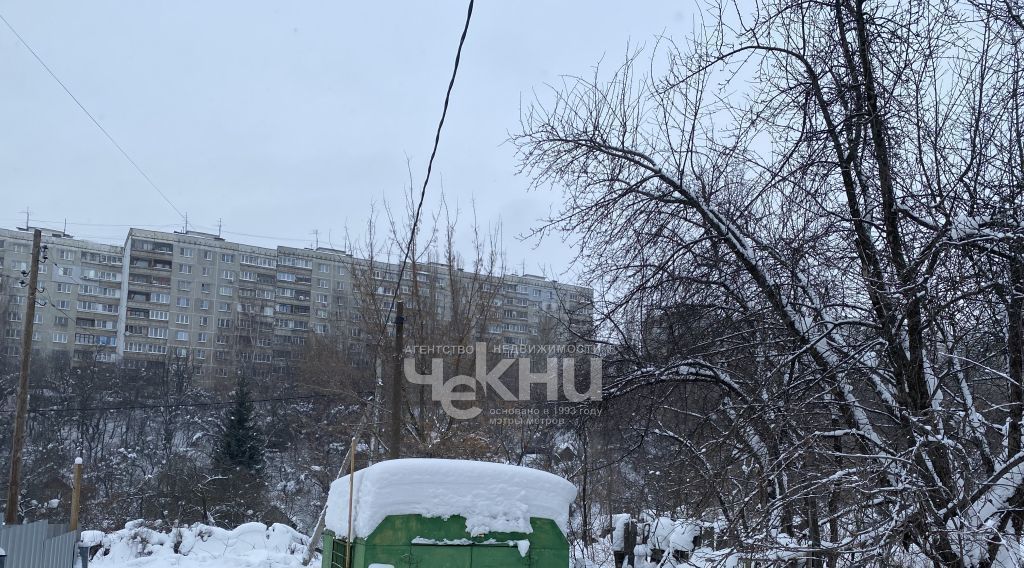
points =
(184, 285)
(185, 268)
(186, 252)
(321, 283)
(321, 298)
(181, 336)
(202, 337)
(158, 332)
(200, 353)
(224, 323)
(204, 321)
(182, 319)
(184, 301)
(226, 291)
(204, 304)
(64, 288)
(225, 257)
(60, 320)
(320, 328)
(180, 352)
(66, 254)
(227, 274)
(13, 316)
(160, 298)
(207, 255)
(286, 292)
(159, 315)
(295, 261)
(206, 271)
(64, 271)
(204, 287)
(247, 275)
(60, 337)
(223, 306)
(94, 307)
(321, 313)
(324, 268)
(285, 277)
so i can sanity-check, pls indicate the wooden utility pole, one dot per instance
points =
(21, 409)
(395, 422)
(76, 495)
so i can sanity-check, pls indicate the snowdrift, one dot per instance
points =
(250, 545)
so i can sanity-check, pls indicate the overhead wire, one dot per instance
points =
(430, 166)
(91, 117)
(209, 404)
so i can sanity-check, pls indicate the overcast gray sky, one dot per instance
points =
(285, 118)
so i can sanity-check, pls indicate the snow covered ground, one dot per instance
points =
(252, 545)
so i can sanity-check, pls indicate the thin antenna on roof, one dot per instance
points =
(316, 237)
(186, 222)
(26, 212)
(218, 227)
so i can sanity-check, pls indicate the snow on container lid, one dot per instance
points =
(492, 497)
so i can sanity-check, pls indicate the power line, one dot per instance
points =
(433, 153)
(89, 114)
(212, 404)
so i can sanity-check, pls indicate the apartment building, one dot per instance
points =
(192, 296)
(78, 299)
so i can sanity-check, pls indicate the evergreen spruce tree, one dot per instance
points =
(241, 445)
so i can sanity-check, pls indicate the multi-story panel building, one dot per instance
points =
(198, 297)
(78, 299)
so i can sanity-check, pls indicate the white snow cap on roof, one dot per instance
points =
(492, 497)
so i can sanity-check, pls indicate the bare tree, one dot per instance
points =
(832, 192)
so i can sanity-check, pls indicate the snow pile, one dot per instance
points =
(492, 497)
(250, 545)
(619, 522)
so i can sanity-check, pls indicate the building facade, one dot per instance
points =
(199, 298)
(79, 294)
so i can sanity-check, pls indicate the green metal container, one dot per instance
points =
(414, 541)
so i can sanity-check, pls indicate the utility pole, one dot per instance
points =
(395, 423)
(21, 409)
(76, 495)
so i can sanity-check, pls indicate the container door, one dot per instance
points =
(439, 556)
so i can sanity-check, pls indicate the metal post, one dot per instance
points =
(83, 555)
(21, 408)
(395, 424)
(351, 501)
